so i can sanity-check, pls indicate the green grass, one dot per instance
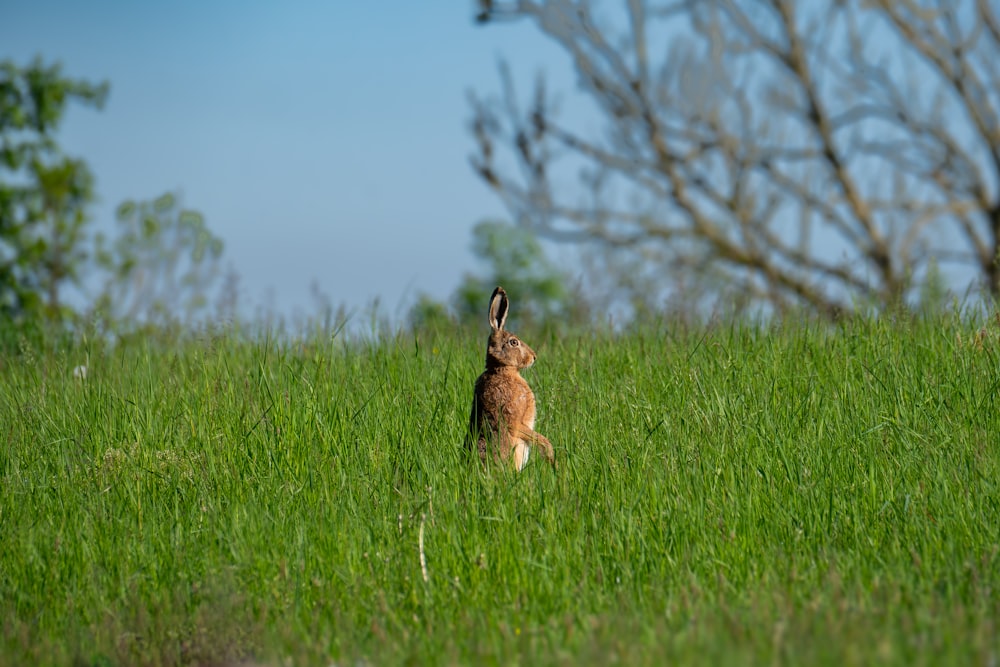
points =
(785, 495)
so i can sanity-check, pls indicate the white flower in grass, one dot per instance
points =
(80, 372)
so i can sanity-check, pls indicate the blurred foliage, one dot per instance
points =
(512, 257)
(158, 267)
(161, 266)
(43, 194)
(515, 259)
(430, 315)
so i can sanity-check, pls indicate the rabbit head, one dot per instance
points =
(504, 348)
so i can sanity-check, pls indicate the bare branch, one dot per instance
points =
(777, 141)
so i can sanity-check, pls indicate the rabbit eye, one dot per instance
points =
(514, 342)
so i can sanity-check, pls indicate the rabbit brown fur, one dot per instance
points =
(503, 407)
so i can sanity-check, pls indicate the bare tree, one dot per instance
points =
(826, 154)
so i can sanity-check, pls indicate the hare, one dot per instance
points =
(503, 407)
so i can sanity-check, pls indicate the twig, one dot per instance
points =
(423, 559)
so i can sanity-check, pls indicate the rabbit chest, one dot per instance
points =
(507, 397)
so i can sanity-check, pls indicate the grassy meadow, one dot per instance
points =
(797, 494)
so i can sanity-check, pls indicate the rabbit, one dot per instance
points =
(503, 407)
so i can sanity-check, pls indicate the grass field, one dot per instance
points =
(726, 495)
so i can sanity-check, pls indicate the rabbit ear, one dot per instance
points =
(498, 308)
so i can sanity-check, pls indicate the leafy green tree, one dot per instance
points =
(512, 257)
(428, 315)
(43, 194)
(161, 266)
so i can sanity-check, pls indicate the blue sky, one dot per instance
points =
(325, 142)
